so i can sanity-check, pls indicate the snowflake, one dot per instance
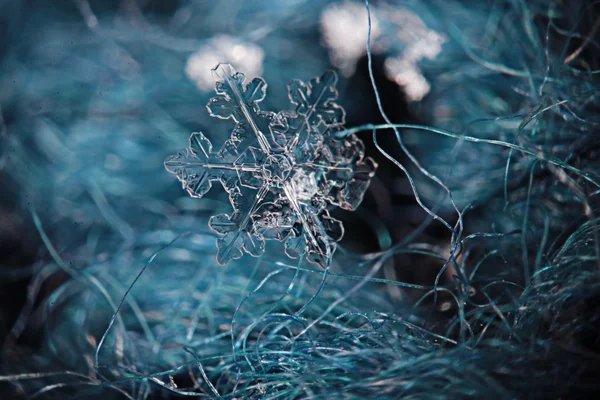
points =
(282, 171)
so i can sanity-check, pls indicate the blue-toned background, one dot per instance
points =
(471, 273)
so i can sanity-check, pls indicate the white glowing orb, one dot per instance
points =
(223, 48)
(344, 27)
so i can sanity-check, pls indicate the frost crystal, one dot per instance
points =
(281, 170)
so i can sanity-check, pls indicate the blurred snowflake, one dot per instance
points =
(281, 170)
(241, 53)
(419, 43)
(344, 29)
(396, 31)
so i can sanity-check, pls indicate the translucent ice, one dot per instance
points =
(281, 170)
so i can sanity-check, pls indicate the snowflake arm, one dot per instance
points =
(314, 104)
(315, 236)
(197, 167)
(315, 112)
(234, 235)
(240, 103)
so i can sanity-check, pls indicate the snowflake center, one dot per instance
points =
(277, 168)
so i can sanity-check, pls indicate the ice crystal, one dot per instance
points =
(282, 171)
